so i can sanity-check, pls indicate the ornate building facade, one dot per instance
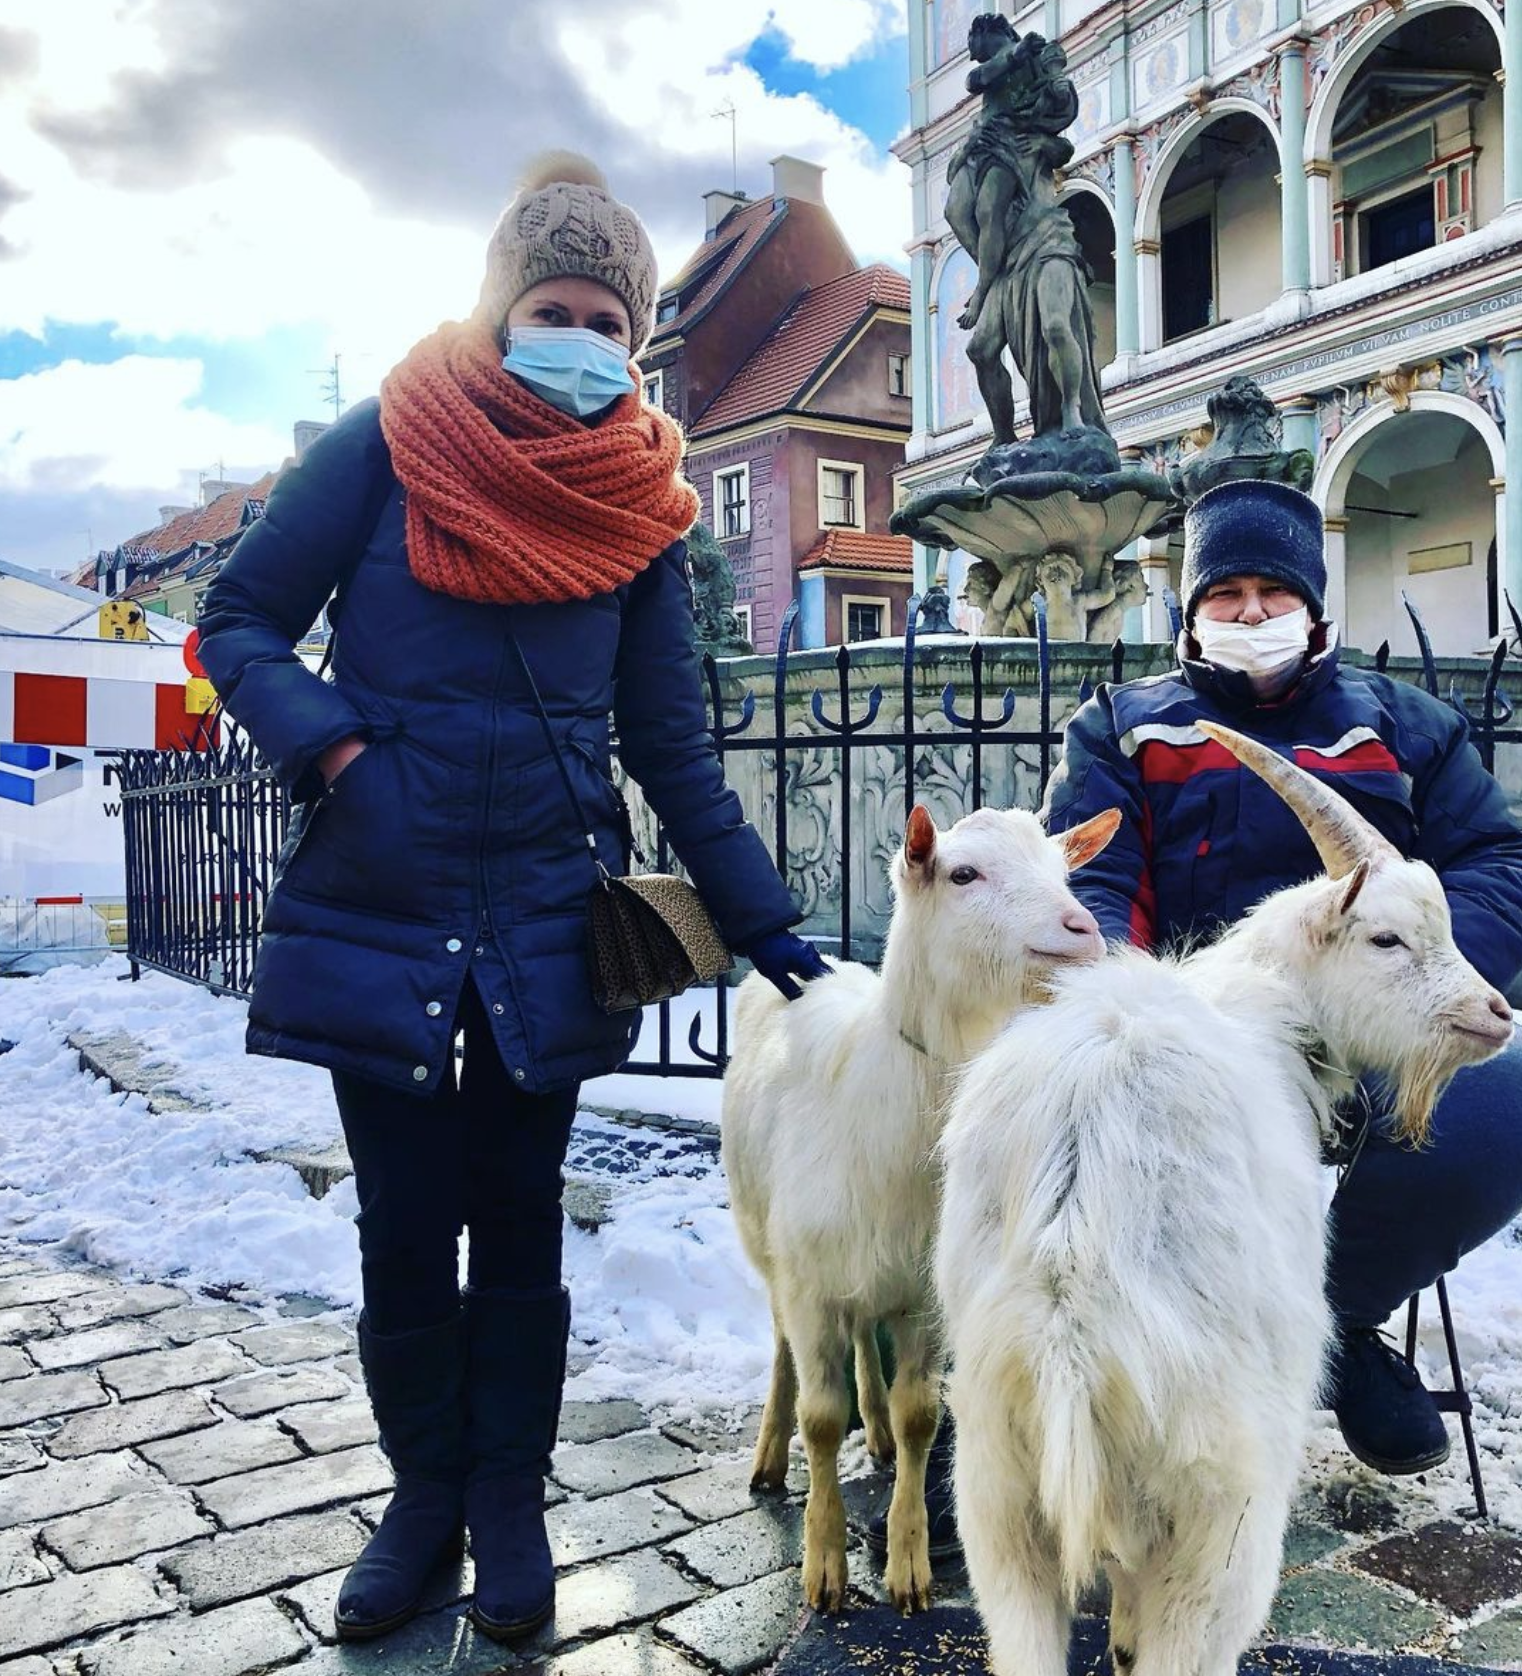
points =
(1327, 198)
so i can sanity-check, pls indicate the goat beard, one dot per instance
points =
(1421, 1083)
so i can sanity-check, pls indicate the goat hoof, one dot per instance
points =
(882, 1450)
(824, 1583)
(768, 1481)
(908, 1586)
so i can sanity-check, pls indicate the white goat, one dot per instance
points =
(832, 1106)
(1131, 1246)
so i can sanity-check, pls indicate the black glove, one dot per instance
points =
(780, 957)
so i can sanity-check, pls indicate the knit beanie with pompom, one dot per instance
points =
(563, 222)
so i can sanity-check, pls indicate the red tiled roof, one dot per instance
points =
(737, 238)
(801, 342)
(181, 534)
(203, 523)
(856, 550)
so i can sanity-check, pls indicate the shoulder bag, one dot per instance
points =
(649, 936)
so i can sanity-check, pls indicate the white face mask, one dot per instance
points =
(1267, 653)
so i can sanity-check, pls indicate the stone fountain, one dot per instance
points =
(1048, 513)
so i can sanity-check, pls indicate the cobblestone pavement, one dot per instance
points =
(183, 1481)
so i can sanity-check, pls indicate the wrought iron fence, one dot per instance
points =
(204, 828)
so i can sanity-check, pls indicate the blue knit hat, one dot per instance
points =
(1253, 528)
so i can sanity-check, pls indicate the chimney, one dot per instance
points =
(305, 432)
(166, 513)
(719, 205)
(212, 487)
(793, 178)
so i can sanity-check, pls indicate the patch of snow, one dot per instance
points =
(663, 1297)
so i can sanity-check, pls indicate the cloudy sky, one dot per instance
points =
(203, 201)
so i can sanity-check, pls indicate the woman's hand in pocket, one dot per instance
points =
(337, 757)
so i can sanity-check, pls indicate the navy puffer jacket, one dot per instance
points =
(448, 845)
(1202, 838)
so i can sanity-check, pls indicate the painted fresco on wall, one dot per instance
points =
(1093, 111)
(956, 389)
(1161, 70)
(952, 20)
(1236, 25)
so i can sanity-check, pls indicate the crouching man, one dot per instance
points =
(1202, 841)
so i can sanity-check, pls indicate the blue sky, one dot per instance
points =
(196, 213)
(869, 93)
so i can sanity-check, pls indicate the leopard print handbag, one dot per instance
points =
(649, 936)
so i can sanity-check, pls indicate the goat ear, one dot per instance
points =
(919, 837)
(1082, 843)
(1355, 883)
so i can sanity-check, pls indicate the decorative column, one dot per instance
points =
(921, 266)
(1298, 425)
(1152, 556)
(1503, 616)
(1337, 572)
(1149, 290)
(1509, 560)
(1127, 329)
(1318, 194)
(1296, 224)
(1511, 111)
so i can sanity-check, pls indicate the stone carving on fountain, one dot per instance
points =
(1244, 441)
(1047, 512)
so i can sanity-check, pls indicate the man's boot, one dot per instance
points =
(515, 1370)
(416, 1386)
(1387, 1417)
(940, 1508)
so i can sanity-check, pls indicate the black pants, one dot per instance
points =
(480, 1157)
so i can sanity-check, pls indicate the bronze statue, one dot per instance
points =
(717, 628)
(1049, 512)
(1032, 291)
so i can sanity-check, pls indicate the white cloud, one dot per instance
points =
(132, 424)
(277, 223)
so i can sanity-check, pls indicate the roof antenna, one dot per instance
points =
(726, 113)
(333, 392)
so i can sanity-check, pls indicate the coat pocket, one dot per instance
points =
(381, 838)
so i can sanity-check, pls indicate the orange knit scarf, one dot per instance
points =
(509, 500)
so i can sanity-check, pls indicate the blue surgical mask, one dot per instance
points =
(577, 370)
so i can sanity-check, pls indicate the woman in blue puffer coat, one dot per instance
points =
(495, 524)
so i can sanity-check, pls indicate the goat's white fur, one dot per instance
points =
(832, 1106)
(1130, 1260)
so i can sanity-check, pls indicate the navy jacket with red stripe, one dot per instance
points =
(1202, 838)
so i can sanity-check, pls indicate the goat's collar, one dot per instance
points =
(1319, 1055)
(918, 1046)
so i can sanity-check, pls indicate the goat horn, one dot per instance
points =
(1341, 835)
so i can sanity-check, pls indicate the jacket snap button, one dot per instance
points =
(496, 1007)
(519, 1074)
(420, 1074)
(433, 1009)
(454, 945)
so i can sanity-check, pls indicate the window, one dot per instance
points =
(655, 389)
(840, 495)
(1188, 277)
(731, 502)
(1398, 228)
(865, 619)
(743, 618)
(898, 375)
(667, 310)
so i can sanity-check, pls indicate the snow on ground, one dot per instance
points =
(665, 1303)
(662, 1295)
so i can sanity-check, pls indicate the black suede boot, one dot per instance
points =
(940, 1503)
(416, 1383)
(515, 1370)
